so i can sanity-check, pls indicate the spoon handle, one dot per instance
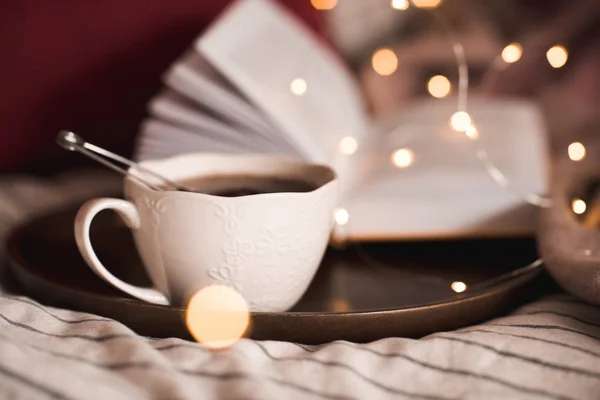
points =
(96, 157)
(99, 150)
(72, 142)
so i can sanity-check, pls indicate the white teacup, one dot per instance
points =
(267, 246)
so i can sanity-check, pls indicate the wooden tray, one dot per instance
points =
(360, 294)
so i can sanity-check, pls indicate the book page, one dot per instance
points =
(170, 107)
(192, 77)
(159, 139)
(445, 190)
(280, 65)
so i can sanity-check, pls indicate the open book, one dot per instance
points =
(259, 81)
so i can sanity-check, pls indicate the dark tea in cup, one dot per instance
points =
(237, 185)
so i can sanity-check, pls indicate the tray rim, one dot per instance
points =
(17, 264)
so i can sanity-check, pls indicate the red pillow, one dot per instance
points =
(89, 66)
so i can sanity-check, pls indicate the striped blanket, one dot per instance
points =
(548, 349)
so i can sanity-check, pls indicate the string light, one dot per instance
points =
(472, 132)
(217, 316)
(512, 53)
(458, 287)
(298, 86)
(557, 56)
(439, 86)
(400, 4)
(341, 216)
(324, 4)
(348, 145)
(340, 305)
(576, 151)
(427, 3)
(460, 121)
(578, 206)
(384, 62)
(403, 158)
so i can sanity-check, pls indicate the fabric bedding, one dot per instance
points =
(547, 349)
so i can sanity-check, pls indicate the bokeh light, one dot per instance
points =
(472, 132)
(576, 151)
(458, 286)
(341, 216)
(340, 305)
(217, 316)
(578, 206)
(557, 56)
(427, 3)
(298, 86)
(512, 53)
(439, 86)
(348, 145)
(460, 121)
(400, 4)
(324, 4)
(403, 158)
(384, 62)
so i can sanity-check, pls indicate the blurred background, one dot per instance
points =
(547, 50)
(92, 66)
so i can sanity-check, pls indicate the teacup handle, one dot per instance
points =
(130, 215)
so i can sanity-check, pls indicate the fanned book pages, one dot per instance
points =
(258, 81)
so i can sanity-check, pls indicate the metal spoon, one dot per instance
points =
(73, 142)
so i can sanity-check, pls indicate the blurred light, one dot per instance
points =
(460, 121)
(498, 176)
(427, 3)
(439, 86)
(472, 132)
(341, 216)
(578, 206)
(348, 145)
(458, 287)
(403, 158)
(217, 316)
(557, 56)
(512, 53)
(340, 305)
(576, 151)
(384, 62)
(400, 4)
(298, 86)
(323, 4)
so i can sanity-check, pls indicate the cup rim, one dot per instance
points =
(153, 164)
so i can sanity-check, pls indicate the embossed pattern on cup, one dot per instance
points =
(266, 246)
